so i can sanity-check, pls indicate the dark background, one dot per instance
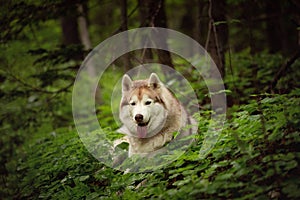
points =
(255, 45)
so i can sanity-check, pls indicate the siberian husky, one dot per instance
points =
(150, 115)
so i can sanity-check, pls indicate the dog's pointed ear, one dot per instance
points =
(154, 81)
(126, 83)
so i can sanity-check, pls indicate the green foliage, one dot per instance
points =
(57, 166)
(253, 74)
(255, 157)
(16, 16)
(34, 91)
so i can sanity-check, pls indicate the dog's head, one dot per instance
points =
(142, 108)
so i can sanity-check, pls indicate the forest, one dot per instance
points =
(254, 46)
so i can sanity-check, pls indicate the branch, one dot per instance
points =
(213, 30)
(210, 22)
(152, 24)
(123, 21)
(37, 89)
(283, 69)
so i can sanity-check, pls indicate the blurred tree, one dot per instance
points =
(217, 36)
(295, 7)
(188, 23)
(124, 27)
(281, 34)
(82, 20)
(276, 39)
(69, 26)
(187, 20)
(152, 13)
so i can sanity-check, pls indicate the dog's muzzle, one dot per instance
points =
(141, 125)
(140, 120)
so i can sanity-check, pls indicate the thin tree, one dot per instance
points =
(86, 42)
(70, 32)
(217, 36)
(124, 27)
(152, 13)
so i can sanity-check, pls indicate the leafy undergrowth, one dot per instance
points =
(256, 157)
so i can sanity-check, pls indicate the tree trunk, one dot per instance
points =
(216, 43)
(84, 34)
(124, 27)
(83, 28)
(70, 30)
(274, 28)
(217, 37)
(201, 22)
(86, 42)
(189, 23)
(280, 32)
(70, 33)
(152, 13)
(144, 17)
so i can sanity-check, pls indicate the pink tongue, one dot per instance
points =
(141, 131)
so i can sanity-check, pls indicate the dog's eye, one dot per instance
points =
(132, 103)
(148, 102)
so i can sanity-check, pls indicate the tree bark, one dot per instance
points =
(83, 28)
(70, 30)
(144, 15)
(124, 27)
(217, 37)
(87, 44)
(216, 45)
(70, 33)
(274, 26)
(152, 13)
(201, 22)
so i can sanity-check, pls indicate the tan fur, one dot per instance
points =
(176, 117)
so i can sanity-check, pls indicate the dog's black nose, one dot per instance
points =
(139, 118)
